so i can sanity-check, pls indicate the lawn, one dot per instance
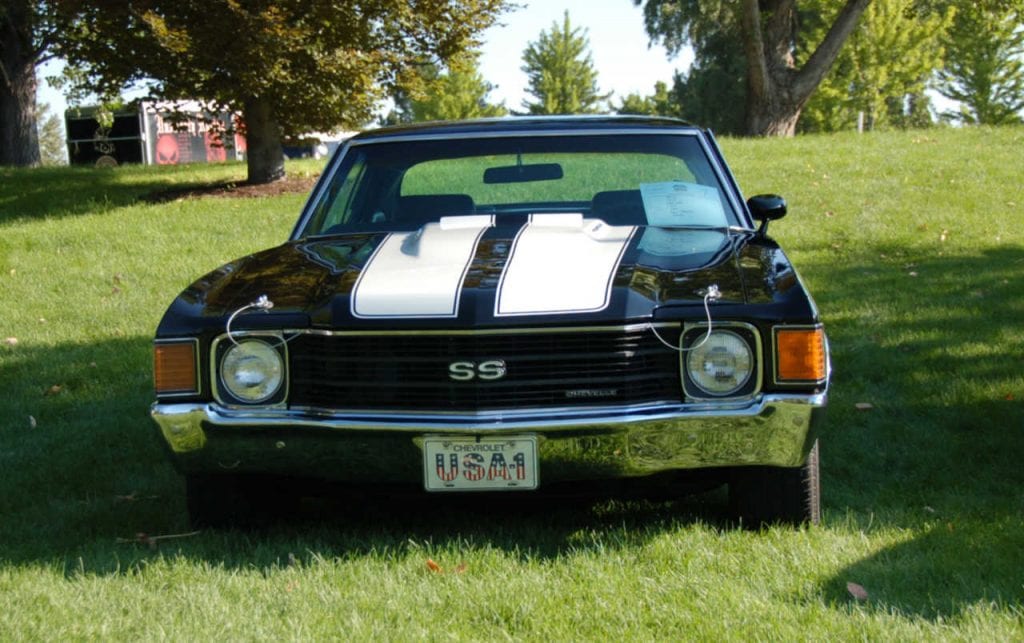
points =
(913, 246)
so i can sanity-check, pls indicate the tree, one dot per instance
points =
(289, 67)
(52, 149)
(561, 73)
(459, 93)
(25, 37)
(658, 104)
(776, 88)
(713, 92)
(883, 71)
(983, 70)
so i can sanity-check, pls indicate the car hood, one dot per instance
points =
(476, 274)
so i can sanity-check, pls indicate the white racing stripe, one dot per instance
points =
(561, 264)
(417, 274)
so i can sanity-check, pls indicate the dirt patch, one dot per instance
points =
(235, 190)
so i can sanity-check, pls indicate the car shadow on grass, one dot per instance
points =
(957, 564)
(926, 425)
(85, 479)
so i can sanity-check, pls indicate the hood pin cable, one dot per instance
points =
(262, 303)
(712, 294)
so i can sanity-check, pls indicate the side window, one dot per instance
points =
(335, 207)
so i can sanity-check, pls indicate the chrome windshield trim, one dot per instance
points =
(682, 130)
(722, 174)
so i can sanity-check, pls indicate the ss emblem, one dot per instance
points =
(493, 369)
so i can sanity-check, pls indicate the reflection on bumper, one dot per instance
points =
(573, 445)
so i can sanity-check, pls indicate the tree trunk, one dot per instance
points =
(772, 116)
(19, 140)
(776, 90)
(264, 154)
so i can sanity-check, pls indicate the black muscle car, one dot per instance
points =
(505, 305)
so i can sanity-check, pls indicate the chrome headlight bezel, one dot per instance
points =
(750, 337)
(268, 343)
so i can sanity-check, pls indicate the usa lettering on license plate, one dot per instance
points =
(468, 464)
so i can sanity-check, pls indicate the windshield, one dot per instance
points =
(653, 180)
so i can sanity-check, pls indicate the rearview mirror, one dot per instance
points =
(523, 173)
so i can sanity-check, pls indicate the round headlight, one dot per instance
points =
(252, 371)
(721, 365)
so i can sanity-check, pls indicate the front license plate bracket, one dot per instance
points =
(492, 463)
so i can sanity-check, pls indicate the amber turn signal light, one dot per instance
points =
(800, 355)
(174, 367)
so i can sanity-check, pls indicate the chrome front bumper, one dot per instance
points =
(574, 445)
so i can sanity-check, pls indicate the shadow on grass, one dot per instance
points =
(939, 453)
(69, 191)
(84, 472)
(938, 357)
(955, 565)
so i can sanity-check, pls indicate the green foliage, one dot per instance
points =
(984, 69)
(321, 64)
(769, 37)
(52, 149)
(561, 73)
(659, 103)
(459, 93)
(882, 71)
(909, 244)
(289, 67)
(713, 92)
(677, 23)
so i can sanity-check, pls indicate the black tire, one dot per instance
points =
(761, 496)
(225, 501)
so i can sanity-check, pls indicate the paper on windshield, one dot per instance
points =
(678, 203)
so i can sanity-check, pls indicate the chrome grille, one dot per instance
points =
(410, 372)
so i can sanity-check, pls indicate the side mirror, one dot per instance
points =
(765, 208)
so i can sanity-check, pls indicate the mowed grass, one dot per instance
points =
(913, 247)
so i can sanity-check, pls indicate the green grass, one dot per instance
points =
(583, 175)
(913, 246)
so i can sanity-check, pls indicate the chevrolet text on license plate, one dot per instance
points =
(471, 464)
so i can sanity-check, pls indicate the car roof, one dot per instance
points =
(525, 124)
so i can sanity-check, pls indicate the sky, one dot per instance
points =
(618, 46)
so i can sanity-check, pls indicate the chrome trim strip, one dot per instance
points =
(326, 176)
(723, 166)
(524, 133)
(758, 357)
(628, 328)
(728, 185)
(497, 414)
(198, 388)
(492, 423)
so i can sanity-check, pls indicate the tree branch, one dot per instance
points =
(814, 70)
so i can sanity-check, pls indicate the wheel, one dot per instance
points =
(765, 495)
(223, 501)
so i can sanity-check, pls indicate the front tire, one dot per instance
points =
(761, 496)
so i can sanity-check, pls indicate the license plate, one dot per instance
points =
(470, 464)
